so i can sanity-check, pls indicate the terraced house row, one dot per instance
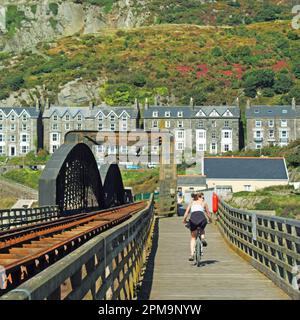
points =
(212, 129)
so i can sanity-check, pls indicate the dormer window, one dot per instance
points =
(1, 117)
(55, 117)
(124, 117)
(12, 118)
(179, 114)
(24, 117)
(155, 114)
(112, 118)
(79, 118)
(67, 117)
(283, 123)
(167, 114)
(284, 111)
(256, 111)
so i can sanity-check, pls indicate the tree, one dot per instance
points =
(217, 52)
(296, 69)
(283, 83)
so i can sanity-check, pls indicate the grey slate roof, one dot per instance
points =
(245, 168)
(272, 112)
(33, 113)
(89, 112)
(192, 180)
(188, 111)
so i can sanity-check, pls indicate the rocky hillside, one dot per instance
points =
(212, 64)
(29, 22)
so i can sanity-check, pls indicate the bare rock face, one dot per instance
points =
(80, 93)
(43, 23)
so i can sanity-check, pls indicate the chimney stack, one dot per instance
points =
(146, 104)
(37, 104)
(192, 102)
(248, 104)
(294, 104)
(47, 104)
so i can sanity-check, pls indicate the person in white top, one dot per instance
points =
(200, 216)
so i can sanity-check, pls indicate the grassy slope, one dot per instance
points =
(283, 200)
(162, 59)
(26, 177)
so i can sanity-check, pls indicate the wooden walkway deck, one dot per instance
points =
(223, 275)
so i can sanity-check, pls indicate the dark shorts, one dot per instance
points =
(197, 219)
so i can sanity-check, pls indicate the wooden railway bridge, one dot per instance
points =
(89, 240)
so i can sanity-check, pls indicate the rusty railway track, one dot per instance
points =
(28, 250)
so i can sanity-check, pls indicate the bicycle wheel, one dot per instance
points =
(198, 251)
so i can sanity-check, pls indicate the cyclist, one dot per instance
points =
(199, 217)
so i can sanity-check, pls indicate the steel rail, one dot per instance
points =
(39, 248)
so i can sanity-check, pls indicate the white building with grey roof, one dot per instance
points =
(20, 130)
(59, 120)
(212, 129)
(272, 125)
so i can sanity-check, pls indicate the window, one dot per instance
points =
(200, 124)
(226, 147)
(167, 114)
(54, 137)
(179, 114)
(180, 134)
(283, 134)
(79, 117)
(100, 126)
(213, 147)
(2, 138)
(155, 114)
(1, 127)
(283, 123)
(12, 127)
(24, 149)
(271, 134)
(213, 135)
(12, 118)
(258, 134)
(258, 123)
(1, 149)
(1, 117)
(100, 117)
(24, 127)
(24, 118)
(112, 127)
(284, 111)
(67, 117)
(100, 149)
(201, 147)
(214, 123)
(12, 138)
(226, 124)
(79, 126)
(271, 123)
(54, 148)
(247, 187)
(180, 146)
(124, 126)
(258, 146)
(24, 138)
(154, 124)
(180, 124)
(124, 117)
(167, 124)
(67, 126)
(55, 126)
(55, 117)
(227, 134)
(202, 134)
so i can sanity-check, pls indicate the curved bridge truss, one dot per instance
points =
(72, 181)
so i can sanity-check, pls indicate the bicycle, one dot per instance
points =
(198, 248)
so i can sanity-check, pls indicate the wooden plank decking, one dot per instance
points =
(224, 275)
